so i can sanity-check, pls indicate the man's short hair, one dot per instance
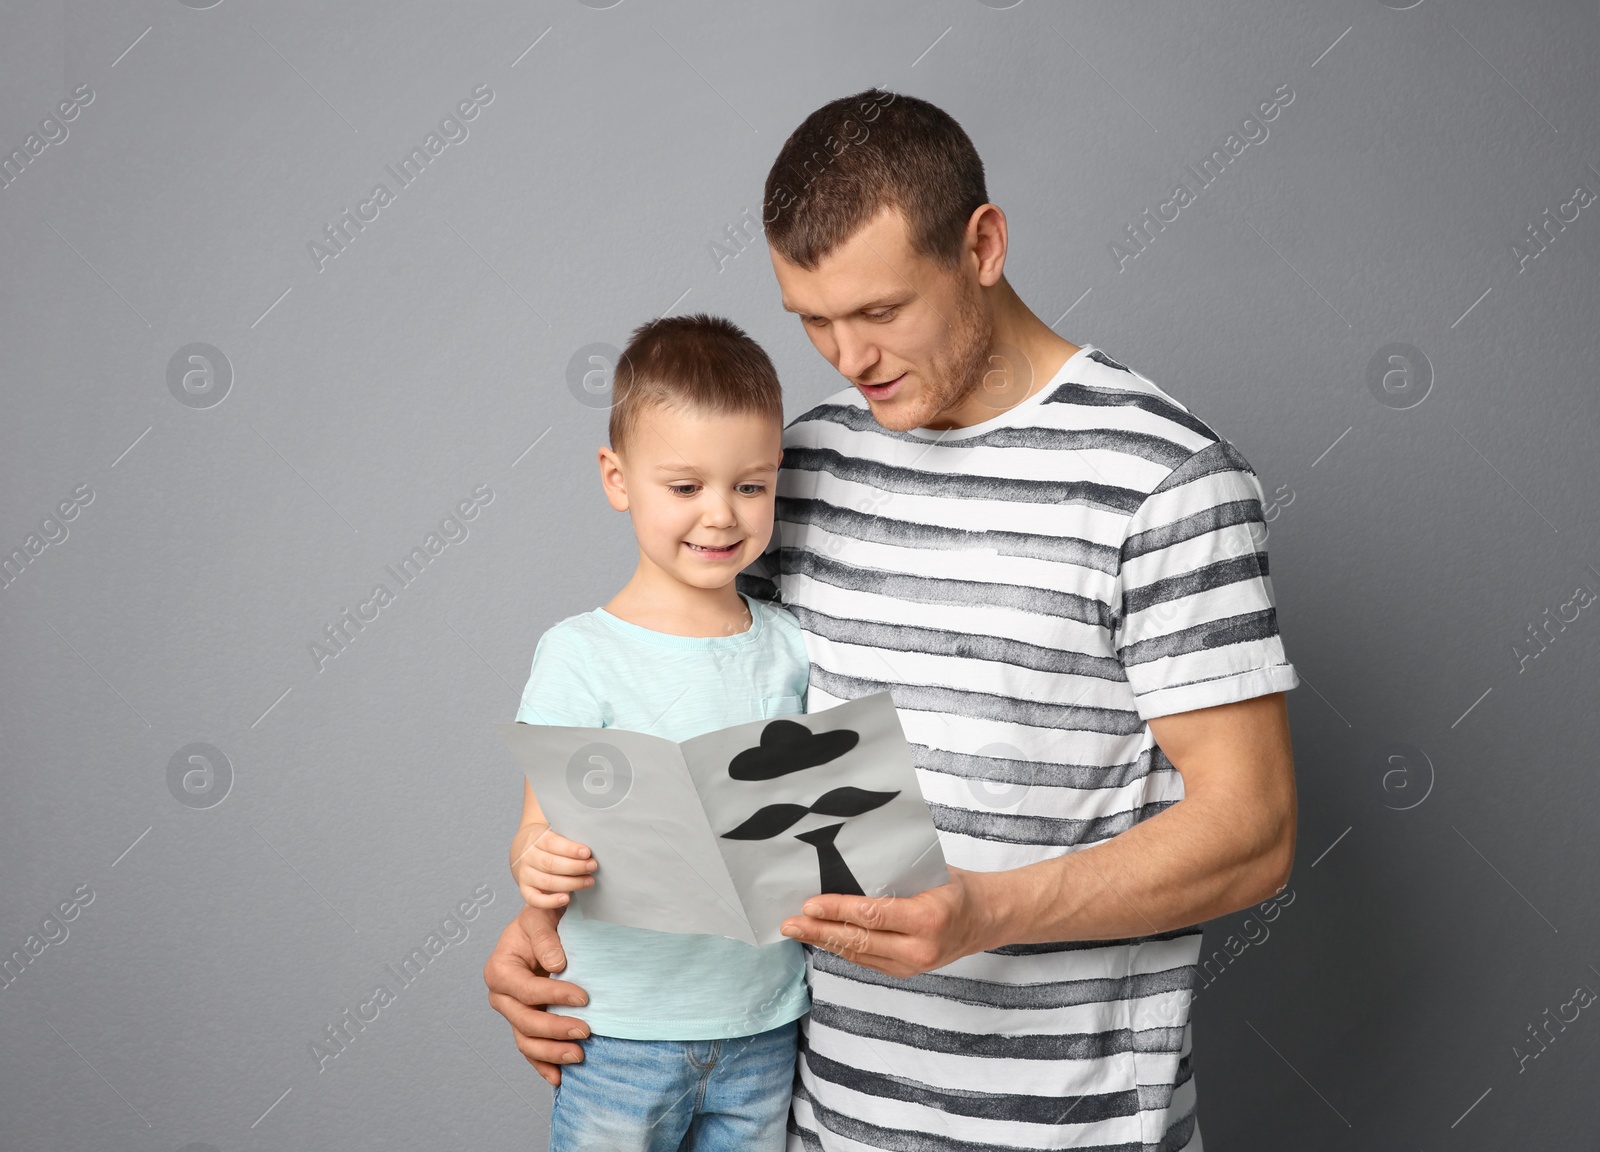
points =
(696, 363)
(858, 154)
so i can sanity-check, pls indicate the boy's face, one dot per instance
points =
(700, 489)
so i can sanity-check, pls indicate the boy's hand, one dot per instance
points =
(547, 866)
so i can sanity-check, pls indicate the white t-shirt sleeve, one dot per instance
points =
(1194, 620)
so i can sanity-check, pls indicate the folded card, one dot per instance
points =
(729, 832)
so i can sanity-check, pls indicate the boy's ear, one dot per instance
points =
(611, 479)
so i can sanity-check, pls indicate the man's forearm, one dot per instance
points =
(1227, 844)
(1184, 865)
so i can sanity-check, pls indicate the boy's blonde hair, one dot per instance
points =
(699, 363)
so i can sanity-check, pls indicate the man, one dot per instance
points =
(1052, 565)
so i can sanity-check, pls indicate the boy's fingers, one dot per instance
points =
(560, 865)
(554, 884)
(549, 883)
(553, 881)
(542, 899)
(552, 841)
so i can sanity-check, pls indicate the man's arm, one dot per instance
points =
(1227, 844)
(520, 989)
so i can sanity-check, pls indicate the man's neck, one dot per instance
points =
(1016, 324)
(1032, 355)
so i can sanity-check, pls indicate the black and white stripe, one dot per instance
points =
(1031, 590)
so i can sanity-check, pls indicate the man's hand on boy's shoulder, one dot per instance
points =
(521, 988)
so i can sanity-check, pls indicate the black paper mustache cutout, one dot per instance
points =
(771, 819)
(789, 747)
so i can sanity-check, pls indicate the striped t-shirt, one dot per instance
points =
(1031, 589)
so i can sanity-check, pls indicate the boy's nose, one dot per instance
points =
(719, 512)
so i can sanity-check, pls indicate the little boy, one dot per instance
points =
(692, 1037)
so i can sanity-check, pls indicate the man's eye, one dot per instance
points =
(886, 314)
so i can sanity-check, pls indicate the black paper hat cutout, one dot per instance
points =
(789, 747)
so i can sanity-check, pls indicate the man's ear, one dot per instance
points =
(986, 240)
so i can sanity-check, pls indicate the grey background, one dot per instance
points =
(370, 798)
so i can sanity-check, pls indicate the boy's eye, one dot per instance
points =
(688, 489)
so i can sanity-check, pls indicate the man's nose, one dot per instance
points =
(856, 356)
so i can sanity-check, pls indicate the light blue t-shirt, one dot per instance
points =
(596, 670)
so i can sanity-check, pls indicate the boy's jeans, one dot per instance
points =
(677, 1096)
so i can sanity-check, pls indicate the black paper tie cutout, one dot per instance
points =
(836, 874)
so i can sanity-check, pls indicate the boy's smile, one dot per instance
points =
(724, 552)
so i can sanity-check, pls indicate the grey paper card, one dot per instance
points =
(728, 833)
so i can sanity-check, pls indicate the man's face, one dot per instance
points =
(691, 479)
(912, 336)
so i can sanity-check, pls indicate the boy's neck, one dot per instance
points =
(658, 602)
